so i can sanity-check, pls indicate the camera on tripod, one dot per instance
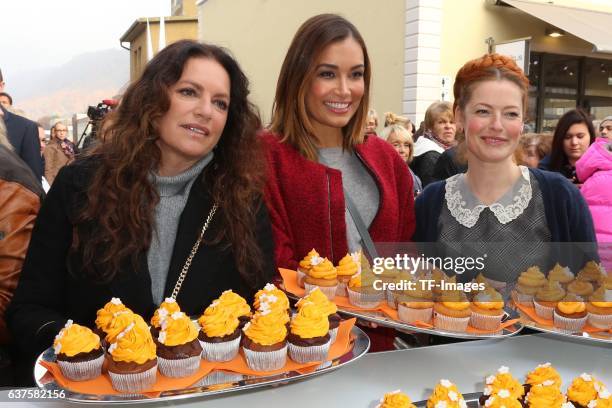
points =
(95, 115)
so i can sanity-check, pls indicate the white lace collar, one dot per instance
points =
(466, 208)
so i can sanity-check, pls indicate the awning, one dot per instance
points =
(592, 26)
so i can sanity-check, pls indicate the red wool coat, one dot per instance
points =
(305, 200)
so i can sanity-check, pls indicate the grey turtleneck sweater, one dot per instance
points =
(173, 193)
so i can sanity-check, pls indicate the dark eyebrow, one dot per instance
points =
(200, 88)
(332, 66)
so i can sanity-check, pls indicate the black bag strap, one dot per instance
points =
(366, 239)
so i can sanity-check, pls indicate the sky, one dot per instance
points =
(38, 34)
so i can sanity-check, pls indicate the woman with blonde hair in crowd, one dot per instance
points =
(59, 152)
(497, 200)
(439, 136)
(533, 147)
(393, 119)
(401, 139)
(324, 175)
(371, 122)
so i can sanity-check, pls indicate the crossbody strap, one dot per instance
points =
(366, 239)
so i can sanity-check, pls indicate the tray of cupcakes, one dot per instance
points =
(426, 301)
(542, 389)
(579, 306)
(229, 348)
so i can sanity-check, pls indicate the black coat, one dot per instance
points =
(23, 135)
(48, 294)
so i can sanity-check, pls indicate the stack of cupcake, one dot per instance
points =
(323, 275)
(446, 394)
(529, 282)
(78, 352)
(264, 343)
(316, 298)
(178, 349)
(543, 388)
(361, 291)
(487, 310)
(309, 338)
(220, 332)
(395, 399)
(305, 265)
(348, 266)
(452, 311)
(132, 362)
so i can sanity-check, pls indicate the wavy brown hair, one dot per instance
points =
(290, 118)
(116, 222)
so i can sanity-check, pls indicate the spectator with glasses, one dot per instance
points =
(59, 152)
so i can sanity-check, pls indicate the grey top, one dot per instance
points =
(357, 182)
(513, 232)
(173, 193)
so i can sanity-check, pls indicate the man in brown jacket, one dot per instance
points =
(20, 198)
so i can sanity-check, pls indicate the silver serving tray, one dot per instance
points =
(216, 382)
(470, 399)
(382, 319)
(600, 337)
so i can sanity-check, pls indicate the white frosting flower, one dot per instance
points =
(490, 379)
(592, 404)
(545, 365)
(446, 383)
(112, 348)
(487, 390)
(269, 287)
(603, 393)
(504, 393)
(246, 326)
(453, 396)
(503, 370)
(177, 315)
(548, 383)
(441, 404)
(315, 260)
(124, 332)
(162, 337)
(116, 301)
(169, 300)
(586, 377)
(215, 303)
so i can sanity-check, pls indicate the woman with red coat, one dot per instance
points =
(318, 153)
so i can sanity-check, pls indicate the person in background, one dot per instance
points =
(572, 137)
(23, 135)
(605, 127)
(180, 156)
(372, 122)
(594, 169)
(393, 119)
(59, 152)
(400, 138)
(533, 147)
(43, 144)
(497, 200)
(439, 136)
(20, 199)
(5, 99)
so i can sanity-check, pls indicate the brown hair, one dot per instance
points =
(115, 223)
(435, 111)
(289, 116)
(486, 68)
(558, 158)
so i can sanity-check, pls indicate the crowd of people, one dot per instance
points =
(185, 171)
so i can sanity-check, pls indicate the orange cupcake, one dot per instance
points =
(529, 282)
(599, 308)
(305, 265)
(581, 288)
(487, 310)
(452, 312)
(592, 272)
(416, 305)
(546, 299)
(561, 274)
(347, 267)
(570, 314)
(322, 275)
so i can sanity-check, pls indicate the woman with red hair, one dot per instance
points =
(497, 201)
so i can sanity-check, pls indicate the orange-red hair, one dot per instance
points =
(486, 68)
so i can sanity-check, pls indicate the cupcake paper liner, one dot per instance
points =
(454, 324)
(410, 315)
(333, 333)
(523, 299)
(265, 360)
(300, 278)
(341, 289)
(83, 370)
(183, 367)
(568, 325)
(485, 322)
(600, 321)
(134, 382)
(219, 352)
(328, 291)
(308, 354)
(365, 300)
(391, 298)
(545, 312)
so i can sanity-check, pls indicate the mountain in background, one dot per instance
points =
(71, 88)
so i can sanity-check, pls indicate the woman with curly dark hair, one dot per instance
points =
(179, 159)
